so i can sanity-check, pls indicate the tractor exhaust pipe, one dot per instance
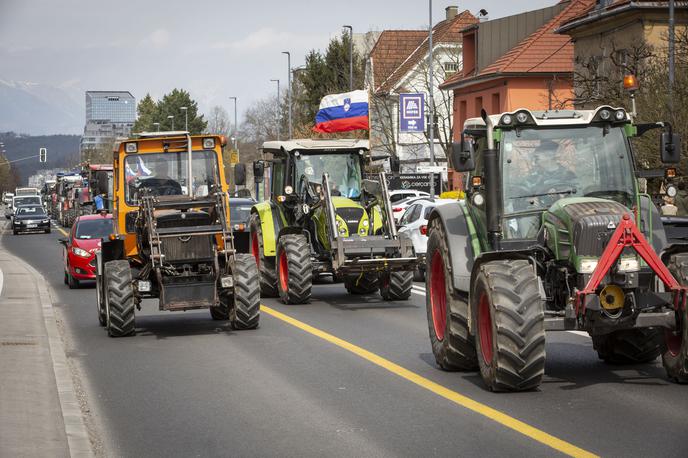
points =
(493, 191)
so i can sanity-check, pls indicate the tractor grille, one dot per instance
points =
(352, 217)
(196, 248)
(174, 218)
(593, 225)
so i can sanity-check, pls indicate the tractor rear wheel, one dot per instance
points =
(245, 313)
(628, 346)
(294, 269)
(396, 286)
(266, 267)
(366, 283)
(510, 325)
(119, 299)
(675, 348)
(452, 344)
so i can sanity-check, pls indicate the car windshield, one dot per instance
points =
(165, 174)
(94, 228)
(239, 213)
(29, 200)
(31, 210)
(344, 171)
(540, 167)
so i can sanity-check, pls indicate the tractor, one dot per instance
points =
(554, 235)
(323, 219)
(172, 238)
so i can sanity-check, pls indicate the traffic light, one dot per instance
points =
(43, 155)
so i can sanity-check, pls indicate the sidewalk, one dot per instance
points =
(39, 413)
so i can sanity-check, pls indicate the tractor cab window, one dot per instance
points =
(344, 171)
(540, 167)
(166, 174)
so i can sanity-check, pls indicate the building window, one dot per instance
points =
(478, 105)
(496, 106)
(451, 67)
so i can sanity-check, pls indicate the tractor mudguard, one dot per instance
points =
(271, 223)
(111, 250)
(459, 240)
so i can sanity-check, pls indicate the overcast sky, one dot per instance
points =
(214, 49)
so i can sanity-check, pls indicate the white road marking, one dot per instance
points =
(1, 280)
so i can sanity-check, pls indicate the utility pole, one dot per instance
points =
(157, 126)
(186, 117)
(171, 117)
(351, 56)
(278, 107)
(236, 127)
(291, 133)
(431, 101)
(672, 52)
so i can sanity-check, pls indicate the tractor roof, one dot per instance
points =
(316, 145)
(545, 118)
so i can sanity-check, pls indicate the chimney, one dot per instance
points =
(452, 12)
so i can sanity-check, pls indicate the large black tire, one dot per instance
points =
(510, 325)
(294, 269)
(396, 286)
(266, 266)
(221, 312)
(675, 345)
(72, 282)
(628, 346)
(119, 299)
(366, 283)
(246, 311)
(100, 300)
(447, 310)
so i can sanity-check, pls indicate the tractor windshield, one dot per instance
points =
(344, 171)
(165, 174)
(542, 166)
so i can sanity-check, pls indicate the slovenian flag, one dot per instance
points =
(343, 112)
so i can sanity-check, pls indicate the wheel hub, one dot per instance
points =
(254, 248)
(284, 271)
(485, 329)
(438, 295)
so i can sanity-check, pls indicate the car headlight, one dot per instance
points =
(81, 253)
(45, 221)
(628, 265)
(587, 266)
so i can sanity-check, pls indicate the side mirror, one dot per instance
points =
(670, 145)
(239, 174)
(462, 156)
(258, 171)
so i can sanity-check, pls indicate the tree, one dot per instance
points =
(8, 176)
(218, 121)
(147, 112)
(150, 111)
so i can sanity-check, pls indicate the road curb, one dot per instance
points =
(75, 427)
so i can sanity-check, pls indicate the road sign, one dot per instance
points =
(42, 155)
(234, 157)
(412, 112)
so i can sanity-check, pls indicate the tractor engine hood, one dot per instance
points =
(350, 214)
(581, 226)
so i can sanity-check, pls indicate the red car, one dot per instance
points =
(81, 245)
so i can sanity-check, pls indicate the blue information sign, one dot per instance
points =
(412, 112)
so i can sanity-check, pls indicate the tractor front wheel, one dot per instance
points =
(510, 325)
(266, 266)
(628, 346)
(675, 348)
(396, 286)
(245, 313)
(119, 299)
(294, 269)
(365, 283)
(447, 311)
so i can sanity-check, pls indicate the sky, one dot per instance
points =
(213, 49)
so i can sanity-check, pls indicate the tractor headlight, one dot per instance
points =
(365, 223)
(342, 230)
(81, 253)
(587, 266)
(144, 286)
(288, 190)
(208, 143)
(628, 265)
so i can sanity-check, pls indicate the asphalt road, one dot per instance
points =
(188, 386)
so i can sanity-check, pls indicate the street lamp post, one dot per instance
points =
(236, 127)
(289, 88)
(278, 106)
(171, 117)
(157, 126)
(186, 117)
(431, 101)
(351, 56)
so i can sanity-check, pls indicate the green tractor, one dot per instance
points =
(554, 235)
(323, 218)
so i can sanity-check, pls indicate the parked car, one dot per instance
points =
(84, 240)
(401, 194)
(399, 208)
(30, 218)
(414, 223)
(239, 214)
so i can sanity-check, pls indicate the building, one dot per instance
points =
(515, 62)
(612, 36)
(398, 64)
(109, 114)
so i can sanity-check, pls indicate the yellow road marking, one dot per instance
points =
(65, 233)
(475, 406)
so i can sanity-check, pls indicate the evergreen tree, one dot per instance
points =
(147, 111)
(171, 104)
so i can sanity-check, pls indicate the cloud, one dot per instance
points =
(158, 38)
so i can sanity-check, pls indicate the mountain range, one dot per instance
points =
(40, 109)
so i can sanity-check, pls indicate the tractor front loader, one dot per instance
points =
(322, 218)
(554, 235)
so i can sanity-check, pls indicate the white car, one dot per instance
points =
(401, 194)
(399, 207)
(414, 223)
